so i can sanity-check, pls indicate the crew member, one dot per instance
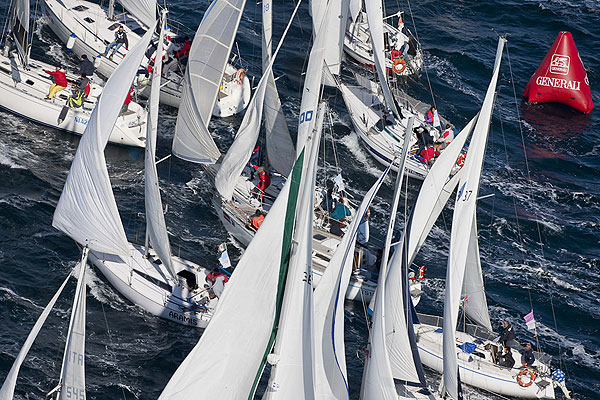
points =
(120, 40)
(81, 93)
(264, 180)
(430, 153)
(85, 66)
(60, 82)
(336, 227)
(508, 337)
(127, 101)
(527, 358)
(256, 220)
(506, 359)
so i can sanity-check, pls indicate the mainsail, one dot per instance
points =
(204, 72)
(143, 10)
(87, 210)
(156, 228)
(280, 148)
(462, 225)
(20, 28)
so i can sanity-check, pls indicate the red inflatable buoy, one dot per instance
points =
(561, 77)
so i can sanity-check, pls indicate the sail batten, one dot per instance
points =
(87, 210)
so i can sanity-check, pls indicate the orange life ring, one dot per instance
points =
(399, 65)
(239, 75)
(529, 372)
(461, 159)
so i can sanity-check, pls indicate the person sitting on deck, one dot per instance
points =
(120, 40)
(80, 93)
(506, 359)
(256, 220)
(340, 211)
(336, 228)
(264, 180)
(447, 136)
(382, 123)
(430, 153)
(60, 82)
(527, 358)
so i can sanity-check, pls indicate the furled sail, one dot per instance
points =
(203, 74)
(280, 148)
(87, 210)
(462, 225)
(331, 378)
(156, 228)
(473, 292)
(378, 380)
(374, 10)
(20, 28)
(143, 10)
(72, 374)
(249, 304)
(292, 375)
(241, 150)
(8, 387)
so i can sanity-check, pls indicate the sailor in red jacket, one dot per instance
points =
(127, 101)
(60, 82)
(430, 153)
(264, 180)
(185, 50)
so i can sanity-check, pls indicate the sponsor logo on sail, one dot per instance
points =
(558, 83)
(560, 64)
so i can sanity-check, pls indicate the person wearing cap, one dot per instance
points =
(264, 180)
(120, 40)
(527, 358)
(508, 337)
(85, 66)
(60, 82)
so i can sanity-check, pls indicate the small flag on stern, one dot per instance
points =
(224, 257)
(530, 320)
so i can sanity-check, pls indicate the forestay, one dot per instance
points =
(156, 228)
(87, 210)
(72, 374)
(378, 380)
(207, 60)
(374, 10)
(249, 305)
(8, 387)
(331, 379)
(280, 148)
(241, 149)
(143, 10)
(462, 224)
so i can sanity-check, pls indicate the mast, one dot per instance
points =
(111, 9)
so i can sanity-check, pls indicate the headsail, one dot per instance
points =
(280, 148)
(462, 224)
(335, 24)
(143, 10)
(8, 387)
(207, 60)
(72, 374)
(87, 210)
(156, 228)
(331, 378)
(20, 28)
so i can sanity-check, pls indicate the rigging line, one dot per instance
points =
(6, 21)
(412, 17)
(537, 223)
(112, 352)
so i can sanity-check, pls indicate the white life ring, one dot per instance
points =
(239, 76)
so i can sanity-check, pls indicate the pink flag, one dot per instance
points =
(530, 320)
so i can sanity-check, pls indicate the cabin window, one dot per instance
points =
(29, 82)
(139, 31)
(80, 8)
(114, 26)
(319, 237)
(88, 20)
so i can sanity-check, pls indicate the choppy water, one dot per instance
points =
(132, 354)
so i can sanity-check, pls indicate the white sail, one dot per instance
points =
(335, 24)
(249, 305)
(156, 227)
(240, 151)
(312, 86)
(355, 7)
(435, 191)
(280, 148)
(292, 372)
(8, 387)
(374, 10)
(20, 28)
(331, 379)
(378, 380)
(473, 292)
(462, 224)
(204, 72)
(72, 374)
(143, 10)
(87, 210)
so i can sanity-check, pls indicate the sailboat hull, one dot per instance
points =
(146, 283)
(480, 372)
(26, 99)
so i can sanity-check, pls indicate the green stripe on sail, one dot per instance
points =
(286, 248)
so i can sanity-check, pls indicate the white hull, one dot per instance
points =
(148, 285)
(26, 99)
(92, 39)
(481, 372)
(357, 45)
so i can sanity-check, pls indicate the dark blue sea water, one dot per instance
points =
(552, 195)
